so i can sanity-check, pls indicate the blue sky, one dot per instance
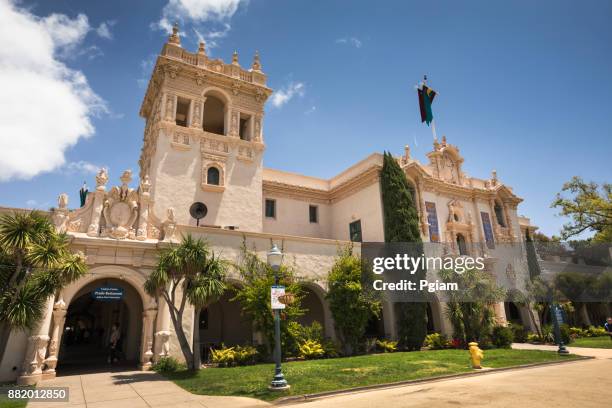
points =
(524, 87)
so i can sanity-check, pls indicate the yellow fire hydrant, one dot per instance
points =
(476, 354)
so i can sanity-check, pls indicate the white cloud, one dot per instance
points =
(311, 110)
(284, 95)
(213, 12)
(104, 29)
(212, 37)
(197, 11)
(47, 106)
(146, 67)
(81, 166)
(353, 41)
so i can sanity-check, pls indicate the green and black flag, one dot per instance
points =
(426, 97)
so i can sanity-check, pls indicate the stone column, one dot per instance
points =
(146, 355)
(162, 331)
(145, 196)
(500, 314)
(170, 108)
(233, 122)
(59, 318)
(257, 129)
(196, 113)
(32, 367)
(98, 203)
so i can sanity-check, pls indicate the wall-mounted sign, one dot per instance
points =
(275, 293)
(107, 293)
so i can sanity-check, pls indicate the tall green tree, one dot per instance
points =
(254, 297)
(470, 311)
(402, 225)
(588, 206)
(351, 303)
(35, 263)
(188, 273)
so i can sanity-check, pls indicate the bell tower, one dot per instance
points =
(203, 137)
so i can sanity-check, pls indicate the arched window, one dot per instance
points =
(212, 176)
(499, 214)
(461, 244)
(214, 115)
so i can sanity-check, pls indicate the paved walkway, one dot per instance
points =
(134, 389)
(581, 384)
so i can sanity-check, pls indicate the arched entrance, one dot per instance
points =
(92, 312)
(315, 311)
(223, 323)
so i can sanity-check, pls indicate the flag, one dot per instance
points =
(426, 97)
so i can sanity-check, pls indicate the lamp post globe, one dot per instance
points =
(275, 256)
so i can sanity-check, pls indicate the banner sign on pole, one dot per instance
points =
(107, 293)
(276, 292)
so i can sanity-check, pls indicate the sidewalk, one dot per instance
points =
(598, 353)
(134, 389)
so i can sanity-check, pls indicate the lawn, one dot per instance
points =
(594, 342)
(317, 376)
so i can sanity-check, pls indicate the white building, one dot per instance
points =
(204, 142)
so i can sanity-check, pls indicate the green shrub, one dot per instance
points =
(311, 349)
(245, 355)
(533, 338)
(593, 331)
(519, 332)
(548, 334)
(565, 334)
(577, 332)
(224, 357)
(331, 348)
(237, 355)
(437, 341)
(386, 346)
(502, 337)
(167, 365)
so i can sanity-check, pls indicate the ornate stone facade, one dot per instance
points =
(204, 142)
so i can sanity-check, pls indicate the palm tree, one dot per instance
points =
(201, 276)
(35, 263)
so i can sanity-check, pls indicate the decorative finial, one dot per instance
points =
(436, 144)
(175, 38)
(202, 47)
(406, 153)
(494, 175)
(443, 140)
(256, 62)
(235, 58)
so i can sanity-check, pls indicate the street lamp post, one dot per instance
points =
(279, 383)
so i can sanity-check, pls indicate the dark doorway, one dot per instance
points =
(87, 330)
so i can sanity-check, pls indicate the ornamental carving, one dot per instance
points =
(213, 146)
(121, 208)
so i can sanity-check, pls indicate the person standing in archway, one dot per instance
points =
(114, 344)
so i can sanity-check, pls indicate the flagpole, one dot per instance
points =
(433, 130)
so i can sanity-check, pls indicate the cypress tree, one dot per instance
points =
(402, 225)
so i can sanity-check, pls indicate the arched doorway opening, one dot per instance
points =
(462, 247)
(92, 312)
(513, 313)
(222, 323)
(214, 114)
(315, 311)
